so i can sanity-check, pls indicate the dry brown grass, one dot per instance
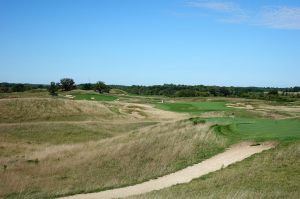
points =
(60, 146)
(66, 132)
(38, 109)
(153, 151)
(47, 109)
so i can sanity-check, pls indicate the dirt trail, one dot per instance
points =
(232, 155)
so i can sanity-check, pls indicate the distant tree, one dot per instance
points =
(4, 88)
(53, 88)
(18, 88)
(87, 86)
(224, 91)
(101, 87)
(213, 91)
(186, 93)
(273, 92)
(67, 84)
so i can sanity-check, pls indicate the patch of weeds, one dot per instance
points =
(197, 120)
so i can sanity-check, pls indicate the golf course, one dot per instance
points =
(85, 142)
(172, 99)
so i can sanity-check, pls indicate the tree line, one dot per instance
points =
(170, 90)
(65, 84)
(18, 87)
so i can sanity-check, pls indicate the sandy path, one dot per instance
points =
(234, 154)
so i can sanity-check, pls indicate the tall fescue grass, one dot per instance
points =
(36, 93)
(47, 109)
(66, 132)
(38, 109)
(272, 174)
(140, 155)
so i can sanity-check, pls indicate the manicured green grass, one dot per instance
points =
(94, 97)
(259, 129)
(193, 107)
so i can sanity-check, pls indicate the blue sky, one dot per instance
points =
(146, 42)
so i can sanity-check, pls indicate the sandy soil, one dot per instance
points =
(232, 155)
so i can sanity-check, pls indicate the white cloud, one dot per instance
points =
(232, 12)
(280, 17)
(215, 6)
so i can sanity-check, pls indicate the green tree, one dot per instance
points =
(67, 84)
(86, 86)
(53, 88)
(273, 92)
(101, 87)
(18, 88)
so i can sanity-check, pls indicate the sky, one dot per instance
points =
(150, 42)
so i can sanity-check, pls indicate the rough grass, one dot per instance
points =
(39, 109)
(41, 171)
(55, 109)
(66, 132)
(271, 174)
(52, 146)
(41, 93)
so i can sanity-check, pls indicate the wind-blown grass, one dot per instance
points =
(143, 154)
(52, 146)
(47, 109)
(66, 132)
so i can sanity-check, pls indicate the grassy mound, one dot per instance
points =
(117, 92)
(128, 159)
(41, 109)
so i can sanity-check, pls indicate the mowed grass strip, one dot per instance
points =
(193, 107)
(271, 174)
